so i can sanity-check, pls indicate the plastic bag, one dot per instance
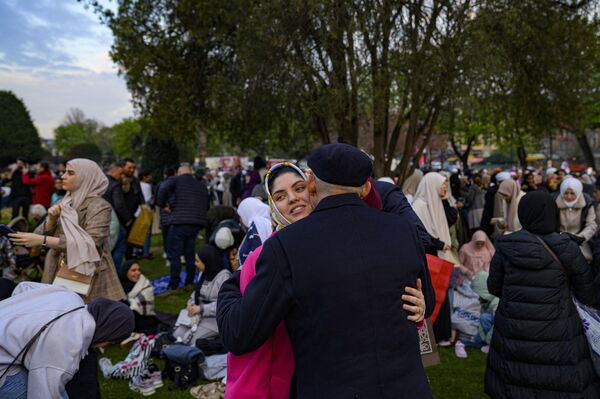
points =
(590, 318)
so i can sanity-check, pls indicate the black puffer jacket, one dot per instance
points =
(538, 347)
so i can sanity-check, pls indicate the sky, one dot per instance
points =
(54, 56)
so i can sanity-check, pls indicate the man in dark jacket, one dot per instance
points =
(165, 212)
(20, 195)
(237, 186)
(538, 345)
(188, 204)
(114, 196)
(338, 285)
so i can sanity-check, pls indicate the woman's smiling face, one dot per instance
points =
(291, 197)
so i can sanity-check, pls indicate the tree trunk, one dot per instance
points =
(588, 153)
(202, 146)
(522, 155)
(463, 156)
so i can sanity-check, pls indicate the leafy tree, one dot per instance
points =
(126, 138)
(18, 135)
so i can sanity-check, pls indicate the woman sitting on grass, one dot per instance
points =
(140, 295)
(202, 305)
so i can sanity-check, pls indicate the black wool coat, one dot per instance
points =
(336, 278)
(538, 348)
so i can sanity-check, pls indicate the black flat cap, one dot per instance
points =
(340, 164)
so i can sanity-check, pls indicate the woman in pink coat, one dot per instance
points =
(267, 372)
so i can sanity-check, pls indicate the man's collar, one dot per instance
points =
(334, 201)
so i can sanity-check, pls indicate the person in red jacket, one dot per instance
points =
(42, 184)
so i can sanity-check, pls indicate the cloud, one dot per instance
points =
(57, 59)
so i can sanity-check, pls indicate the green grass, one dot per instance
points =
(453, 378)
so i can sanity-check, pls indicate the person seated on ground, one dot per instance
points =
(38, 214)
(489, 304)
(475, 256)
(256, 218)
(140, 295)
(54, 355)
(228, 236)
(202, 305)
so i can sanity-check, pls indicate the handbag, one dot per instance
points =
(440, 271)
(72, 280)
(590, 317)
(139, 230)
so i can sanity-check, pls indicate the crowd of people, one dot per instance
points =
(297, 272)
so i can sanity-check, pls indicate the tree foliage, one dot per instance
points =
(282, 76)
(18, 135)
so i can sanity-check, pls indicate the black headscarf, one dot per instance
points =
(114, 320)
(214, 261)
(125, 282)
(538, 213)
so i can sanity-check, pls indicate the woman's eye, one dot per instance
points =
(278, 198)
(299, 189)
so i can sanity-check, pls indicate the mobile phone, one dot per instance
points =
(5, 230)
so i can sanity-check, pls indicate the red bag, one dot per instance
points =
(440, 271)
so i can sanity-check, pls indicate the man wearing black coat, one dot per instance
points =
(188, 204)
(237, 185)
(114, 196)
(337, 282)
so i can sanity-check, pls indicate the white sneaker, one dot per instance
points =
(460, 351)
(444, 343)
(105, 366)
(485, 349)
(164, 255)
(141, 385)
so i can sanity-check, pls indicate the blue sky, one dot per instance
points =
(54, 56)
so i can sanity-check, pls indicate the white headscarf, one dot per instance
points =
(252, 210)
(90, 182)
(574, 184)
(429, 207)
(500, 177)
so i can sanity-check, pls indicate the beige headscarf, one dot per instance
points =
(429, 207)
(411, 184)
(510, 188)
(82, 254)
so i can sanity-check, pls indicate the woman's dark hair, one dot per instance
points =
(278, 172)
(145, 173)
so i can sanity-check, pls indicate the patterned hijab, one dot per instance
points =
(279, 219)
(90, 182)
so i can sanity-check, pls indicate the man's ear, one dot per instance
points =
(366, 189)
(311, 185)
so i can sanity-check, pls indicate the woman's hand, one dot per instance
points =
(193, 309)
(26, 239)
(416, 302)
(53, 215)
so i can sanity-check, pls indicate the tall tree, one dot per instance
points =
(18, 135)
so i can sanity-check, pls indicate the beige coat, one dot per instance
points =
(94, 216)
(570, 222)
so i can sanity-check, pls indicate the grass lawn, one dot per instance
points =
(453, 378)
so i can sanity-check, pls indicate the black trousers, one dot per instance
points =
(20, 203)
(442, 328)
(84, 384)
